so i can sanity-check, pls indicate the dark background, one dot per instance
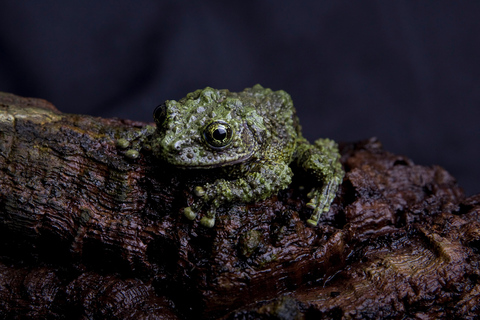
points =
(407, 72)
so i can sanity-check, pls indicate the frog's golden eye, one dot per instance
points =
(218, 134)
(160, 114)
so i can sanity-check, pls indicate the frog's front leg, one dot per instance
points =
(134, 140)
(322, 160)
(259, 181)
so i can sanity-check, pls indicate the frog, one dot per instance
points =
(254, 137)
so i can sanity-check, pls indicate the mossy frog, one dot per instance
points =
(254, 136)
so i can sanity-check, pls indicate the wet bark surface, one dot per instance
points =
(87, 233)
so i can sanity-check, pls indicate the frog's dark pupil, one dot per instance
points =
(219, 134)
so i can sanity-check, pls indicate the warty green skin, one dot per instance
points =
(265, 139)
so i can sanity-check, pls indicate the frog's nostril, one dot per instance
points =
(177, 145)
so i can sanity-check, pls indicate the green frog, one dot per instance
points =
(253, 136)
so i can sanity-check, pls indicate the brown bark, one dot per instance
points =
(86, 233)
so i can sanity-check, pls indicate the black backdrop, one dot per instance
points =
(407, 72)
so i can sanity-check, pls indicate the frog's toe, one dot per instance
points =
(132, 154)
(199, 191)
(207, 222)
(122, 143)
(317, 213)
(312, 222)
(312, 204)
(189, 213)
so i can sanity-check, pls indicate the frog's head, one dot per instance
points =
(211, 128)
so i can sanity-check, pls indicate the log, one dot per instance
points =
(88, 233)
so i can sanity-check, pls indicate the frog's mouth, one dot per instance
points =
(217, 165)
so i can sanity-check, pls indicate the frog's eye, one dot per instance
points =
(160, 114)
(218, 134)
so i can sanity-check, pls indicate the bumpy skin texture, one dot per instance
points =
(254, 135)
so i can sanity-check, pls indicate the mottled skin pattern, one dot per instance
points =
(254, 135)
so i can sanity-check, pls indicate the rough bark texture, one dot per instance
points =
(86, 233)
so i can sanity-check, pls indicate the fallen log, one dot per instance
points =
(87, 232)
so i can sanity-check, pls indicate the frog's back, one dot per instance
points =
(278, 112)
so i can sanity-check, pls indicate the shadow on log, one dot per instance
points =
(87, 233)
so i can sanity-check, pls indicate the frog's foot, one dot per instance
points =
(314, 204)
(191, 212)
(133, 141)
(207, 221)
(320, 201)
